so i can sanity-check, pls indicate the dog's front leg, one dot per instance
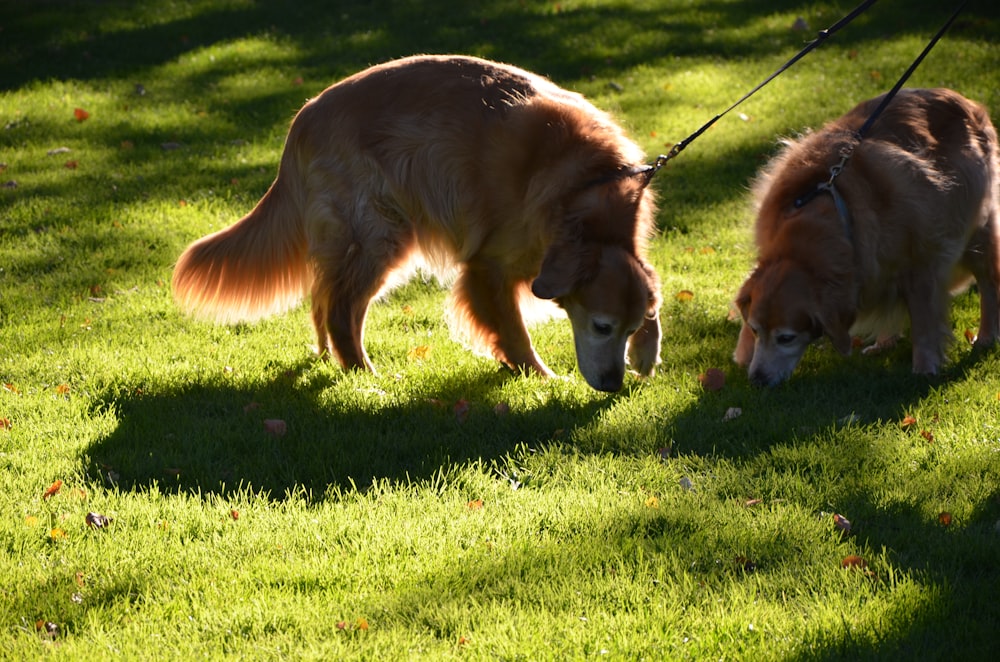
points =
(927, 302)
(488, 301)
(744, 346)
(644, 347)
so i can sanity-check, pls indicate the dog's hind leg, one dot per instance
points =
(352, 267)
(486, 302)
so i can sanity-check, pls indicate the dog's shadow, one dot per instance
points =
(826, 392)
(289, 435)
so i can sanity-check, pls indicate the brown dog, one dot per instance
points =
(459, 162)
(911, 218)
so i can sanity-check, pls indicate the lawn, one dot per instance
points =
(176, 490)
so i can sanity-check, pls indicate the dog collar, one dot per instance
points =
(838, 201)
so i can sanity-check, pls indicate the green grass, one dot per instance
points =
(549, 521)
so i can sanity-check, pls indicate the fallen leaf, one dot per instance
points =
(58, 150)
(745, 564)
(928, 435)
(842, 523)
(80, 579)
(298, 81)
(31, 521)
(684, 295)
(127, 145)
(53, 489)
(362, 624)
(753, 502)
(944, 519)
(341, 625)
(275, 427)
(419, 353)
(47, 627)
(970, 336)
(235, 514)
(11, 388)
(5, 423)
(80, 114)
(57, 534)
(461, 410)
(182, 203)
(712, 379)
(732, 413)
(62, 389)
(652, 502)
(853, 561)
(907, 422)
(501, 409)
(97, 521)
(475, 504)
(71, 164)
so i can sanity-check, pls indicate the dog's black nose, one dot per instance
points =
(610, 382)
(761, 379)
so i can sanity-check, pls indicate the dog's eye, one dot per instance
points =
(785, 338)
(603, 329)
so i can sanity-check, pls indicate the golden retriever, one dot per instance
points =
(911, 218)
(453, 162)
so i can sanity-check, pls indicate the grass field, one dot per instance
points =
(447, 509)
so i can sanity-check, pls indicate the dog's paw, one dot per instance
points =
(881, 344)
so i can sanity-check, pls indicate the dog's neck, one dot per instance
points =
(838, 201)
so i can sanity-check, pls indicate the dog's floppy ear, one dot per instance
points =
(835, 317)
(744, 296)
(558, 275)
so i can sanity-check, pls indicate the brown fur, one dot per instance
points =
(923, 200)
(458, 162)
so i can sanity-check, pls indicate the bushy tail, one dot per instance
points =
(256, 267)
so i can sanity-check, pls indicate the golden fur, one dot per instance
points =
(523, 186)
(921, 192)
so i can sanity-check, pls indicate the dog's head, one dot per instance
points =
(785, 307)
(609, 295)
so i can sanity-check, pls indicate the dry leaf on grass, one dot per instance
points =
(461, 410)
(97, 521)
(53, 489)
(853, 561)
(275, 427)
(842, 523)
(712, 379)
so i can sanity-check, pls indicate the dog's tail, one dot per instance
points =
(258, 266)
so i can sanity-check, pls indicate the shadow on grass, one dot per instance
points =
(91, 39)
(350, 442)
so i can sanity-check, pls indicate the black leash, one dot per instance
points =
(650, 170)
(860, 134)
(916, 63)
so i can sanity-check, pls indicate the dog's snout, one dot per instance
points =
(609, 382)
